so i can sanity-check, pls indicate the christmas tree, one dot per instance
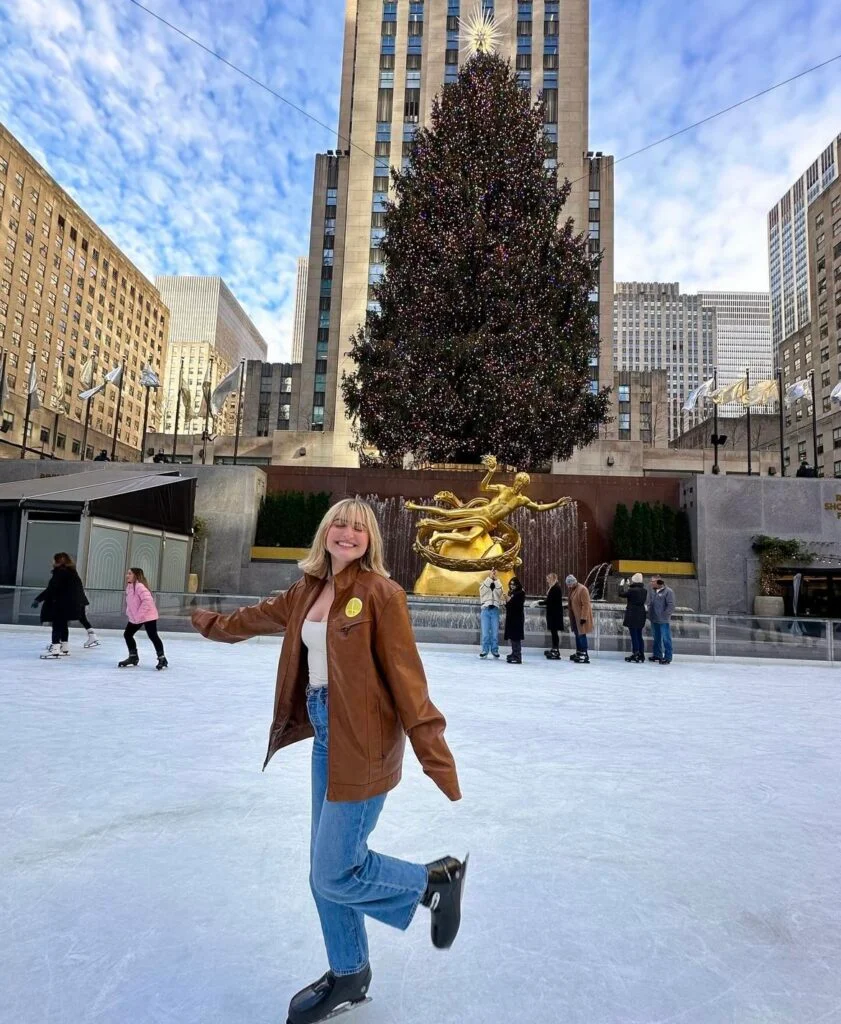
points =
(484, 332)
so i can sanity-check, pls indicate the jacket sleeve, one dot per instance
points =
(397, 654)
(669, 603)
(147, 609)
(264, 619)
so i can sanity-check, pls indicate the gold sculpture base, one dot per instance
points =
(435, 582)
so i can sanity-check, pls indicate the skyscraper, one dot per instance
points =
(210, 334)
(742, 340)
(397, 57)
(789, 244)
(655, 327)
(300, 309)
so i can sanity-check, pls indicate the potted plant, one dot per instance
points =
(774, 552)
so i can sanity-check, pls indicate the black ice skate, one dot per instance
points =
(330, 996)
(162, 664)
(132, 661)
(553, 655)
(514, 659)
(580, 658)
(443, 895)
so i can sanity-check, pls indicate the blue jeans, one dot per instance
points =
(637, 645)
(662, 634)
(490, 630)
(580, 638)
(346, 878)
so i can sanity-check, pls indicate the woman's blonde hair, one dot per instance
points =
(352, 510)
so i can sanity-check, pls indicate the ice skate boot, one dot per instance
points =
(514, 659)
(553, 655)
(92, 640)
(132, 661)
(580, 658)
(443, 896)
(331, 995)
(162, 664)
(65, 649)
(52, 653)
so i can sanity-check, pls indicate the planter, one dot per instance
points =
(768, 607)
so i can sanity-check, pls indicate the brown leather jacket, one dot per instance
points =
(378, 692)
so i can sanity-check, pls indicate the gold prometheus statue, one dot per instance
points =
(462, 542)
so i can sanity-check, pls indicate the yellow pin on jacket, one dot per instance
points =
(377, 686)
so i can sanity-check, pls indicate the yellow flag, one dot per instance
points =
(761, 393)
(730, 393)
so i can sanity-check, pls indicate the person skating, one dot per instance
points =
(349, 646)
(515, 620)
(580, 618)
(491, 599)
(635, 597)
(142, 613)
(62, 601)
(661, 606)
(554, 605)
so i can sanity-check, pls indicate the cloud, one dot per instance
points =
(188, 167)
(694, 209)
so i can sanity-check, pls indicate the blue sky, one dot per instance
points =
(192, 170)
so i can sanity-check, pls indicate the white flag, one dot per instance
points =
(86, 373)
(700, 392)
(93, 391)
(761, 393)
(148, 378)
(224, 388)
(114, 376)
(834, 395)
(730, 392)
(32, 388)
(186, 403)
(799, 389)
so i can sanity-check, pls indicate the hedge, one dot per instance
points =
(289, 519)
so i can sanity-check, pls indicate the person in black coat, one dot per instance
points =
(515, 620)
(635, 597)
(62, 601)
(554, 605)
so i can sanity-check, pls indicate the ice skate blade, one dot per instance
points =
(340, 1010)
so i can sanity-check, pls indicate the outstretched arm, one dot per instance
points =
(535, 507)
(263, 619)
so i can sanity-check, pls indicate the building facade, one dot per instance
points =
(71, 303)
(397, 57)
(210, 334)
(271, 393)
(814, 349)
(655, 327)
(789, 245)
(742, 341)
(300, 309)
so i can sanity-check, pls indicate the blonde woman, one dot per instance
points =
(350, 675)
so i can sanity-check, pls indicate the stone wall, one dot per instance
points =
(726, 513)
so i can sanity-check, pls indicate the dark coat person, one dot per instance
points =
(64, 598)
(635, 599)
(554, 605)
(515, 620)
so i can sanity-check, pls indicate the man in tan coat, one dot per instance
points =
(580, 618)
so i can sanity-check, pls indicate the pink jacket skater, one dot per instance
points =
(142, 613)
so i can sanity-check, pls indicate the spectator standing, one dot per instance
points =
(554, 605)
(661, 606)
(580, 618)
(515, 620)
(635, 597)
(491, 598)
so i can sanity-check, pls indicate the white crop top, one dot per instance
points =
(314, 638)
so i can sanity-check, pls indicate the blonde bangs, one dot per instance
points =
(354, 510)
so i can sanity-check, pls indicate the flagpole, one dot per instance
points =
(145, 423)
(814, 420)
(26, 418)
(239, 409)
(782, 422)
(88, 411)
(716, 470)
(747, 388)
(177, 410)
(117, 413)
(207, 393)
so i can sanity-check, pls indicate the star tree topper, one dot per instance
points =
(480, 31)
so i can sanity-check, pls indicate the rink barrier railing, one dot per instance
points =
(713, 636)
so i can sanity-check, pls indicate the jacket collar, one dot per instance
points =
(341, 581)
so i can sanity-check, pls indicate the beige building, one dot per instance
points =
(210, 334)
(396, 58)
(814, 349)
(68, 296)
(300, 309)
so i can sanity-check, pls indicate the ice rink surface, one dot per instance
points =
(648, 844)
